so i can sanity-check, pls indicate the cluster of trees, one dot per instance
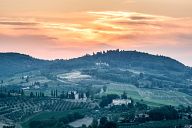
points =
(160, 124)
(54, 93)
(141, 106)
(163, 113)
(37, 83)
(104, 88)
(124, 95)
(90, 91)
(37, 94)
(86, 92)
(71, 95)
(114, 75)
(4, 92)
(133, 58)
(103, 123)
(183, 109)
(128, 117)
(9, 93)
(129, 113)
(68, 96)
(106, 100)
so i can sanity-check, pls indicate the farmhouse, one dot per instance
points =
(141, 115)
(100, 64)
(121, 102)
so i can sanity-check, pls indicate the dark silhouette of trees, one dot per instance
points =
(31, 94)
(124, 95)
(22, 93)
(165, 112)
(105, 100)
(104, 88)
(141, 75)
(54, 93)
(72, 95)
(27, 79)
(110, 125)
(94, 123)
(104, 123)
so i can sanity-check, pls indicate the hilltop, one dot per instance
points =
(113, 61)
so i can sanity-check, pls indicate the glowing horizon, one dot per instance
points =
(71, 28)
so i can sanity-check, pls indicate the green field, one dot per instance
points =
(49, 115)
(152, 97)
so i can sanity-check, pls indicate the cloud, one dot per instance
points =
(25, 28)
(86, 32)
(141, 18)
(137, 25)
(26, 38)
(18, 23)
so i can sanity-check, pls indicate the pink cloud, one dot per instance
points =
(93, 31)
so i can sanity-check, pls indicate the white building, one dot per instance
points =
(101, 91)
(76, 96)
(121, 102)
(102, 64)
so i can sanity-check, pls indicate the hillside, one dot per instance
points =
(156, 79)
(11, 63)
(137, 59)
(114, 62)
(142, 62)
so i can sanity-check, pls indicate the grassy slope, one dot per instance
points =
(48, 115)
(152, 97)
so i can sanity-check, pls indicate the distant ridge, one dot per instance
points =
(11, 63)
(15, 54)
(133, 59)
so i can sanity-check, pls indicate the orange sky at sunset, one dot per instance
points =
(70, 28)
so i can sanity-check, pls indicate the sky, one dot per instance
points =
(63, 29)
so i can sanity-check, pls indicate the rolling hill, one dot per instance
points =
(110, 62)
(154, 78)
(11, 63)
